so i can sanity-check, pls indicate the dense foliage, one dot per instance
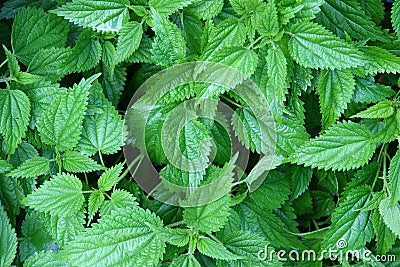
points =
(329, 70)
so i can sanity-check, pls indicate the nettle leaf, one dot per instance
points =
(114, 84)
(335, 89)
(349, 222)
(185, 260)
(119, 199)
(214, 250)
(396, 16)
(390, 215)
(43, 259)
(11, 7)
(383, 109)
(180, 177)
(313, 46)
(14, 119)
(96, 199)
(228, 33)
(242, 59)
(34, 30)
(273, 192)
(62, 195)
(265, 224)
(143, 53)
(8, 240)
(128, 237)
(110, 177)
(169, 46)
(210, 217)
(385, 239)
(61, 123)
(75, 162)
(85, 54)
(344, 17)
(104, 15)
(51, 63)
(394, 179)
(344, 146)
(166, 7)
(31, 168)
(268, 23)
(301, 178)
(367, 91)
(65, 228)
(205, 9)
(176, 236)
(129, 39)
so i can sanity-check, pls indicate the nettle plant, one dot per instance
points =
(328, 70)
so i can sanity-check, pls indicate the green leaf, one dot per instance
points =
(75, 162)
(349, 223)
(11, 7)
(43, 259)
(176, 236)
(265, 224)
(180, 177)
(128, 40)
(143, 53)
(85, 54)
(273, 192)
(214, 250)
(62, 195)
(301, 178)
(268, 23)
(14, 119)
(110, 177)
(205, 9)
(104, 15)
(185, 260)
(335, 89)
(65, 228)
(31, 168)
(373, 9)
(254, 132)
(109, 57)
(166, 8)
(114, 84)
(210, 217)
(383, 109)
(390, 215)
(242, 59)
(11, 194)
(102, 132)
(134, 241)
(394, 179)
(119, 199)
(378, 60)
(8, 240)
(34, 30)
(346, 17)
(396, 16)
(312, 46)
(61, 123)
(5, 166)
(169, 46)
(367, 91)
(385, 239)
(96, 199)
(51, 63)
(36, 236)
(344, 146)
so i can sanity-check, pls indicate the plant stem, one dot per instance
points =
(3, 63)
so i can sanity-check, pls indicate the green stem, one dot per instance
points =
(138, 158)
(3, 63)
(87, 192)
(175, 224)
(101, 159)
(255, 41)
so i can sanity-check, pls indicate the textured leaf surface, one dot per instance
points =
(390, 215)
(104, 15)
(119, 199)
(396, 16)
(59, 196)
(214, 250)
(206, 9)
(33, 30)
(169, 46)
(15, 112)
(96, 199)
(61, 123)
(385, 239)
(313, 46)
(128, 40)
(8, 240)
(349, 223)
(394, 178)
(75, 162)
(383, 109)
(43, 259)
(344, 146)
(31, 168)
(166, 7)
(185, 260)
(210, 217)
(335, 89)
(110, 177)
(125, 238)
